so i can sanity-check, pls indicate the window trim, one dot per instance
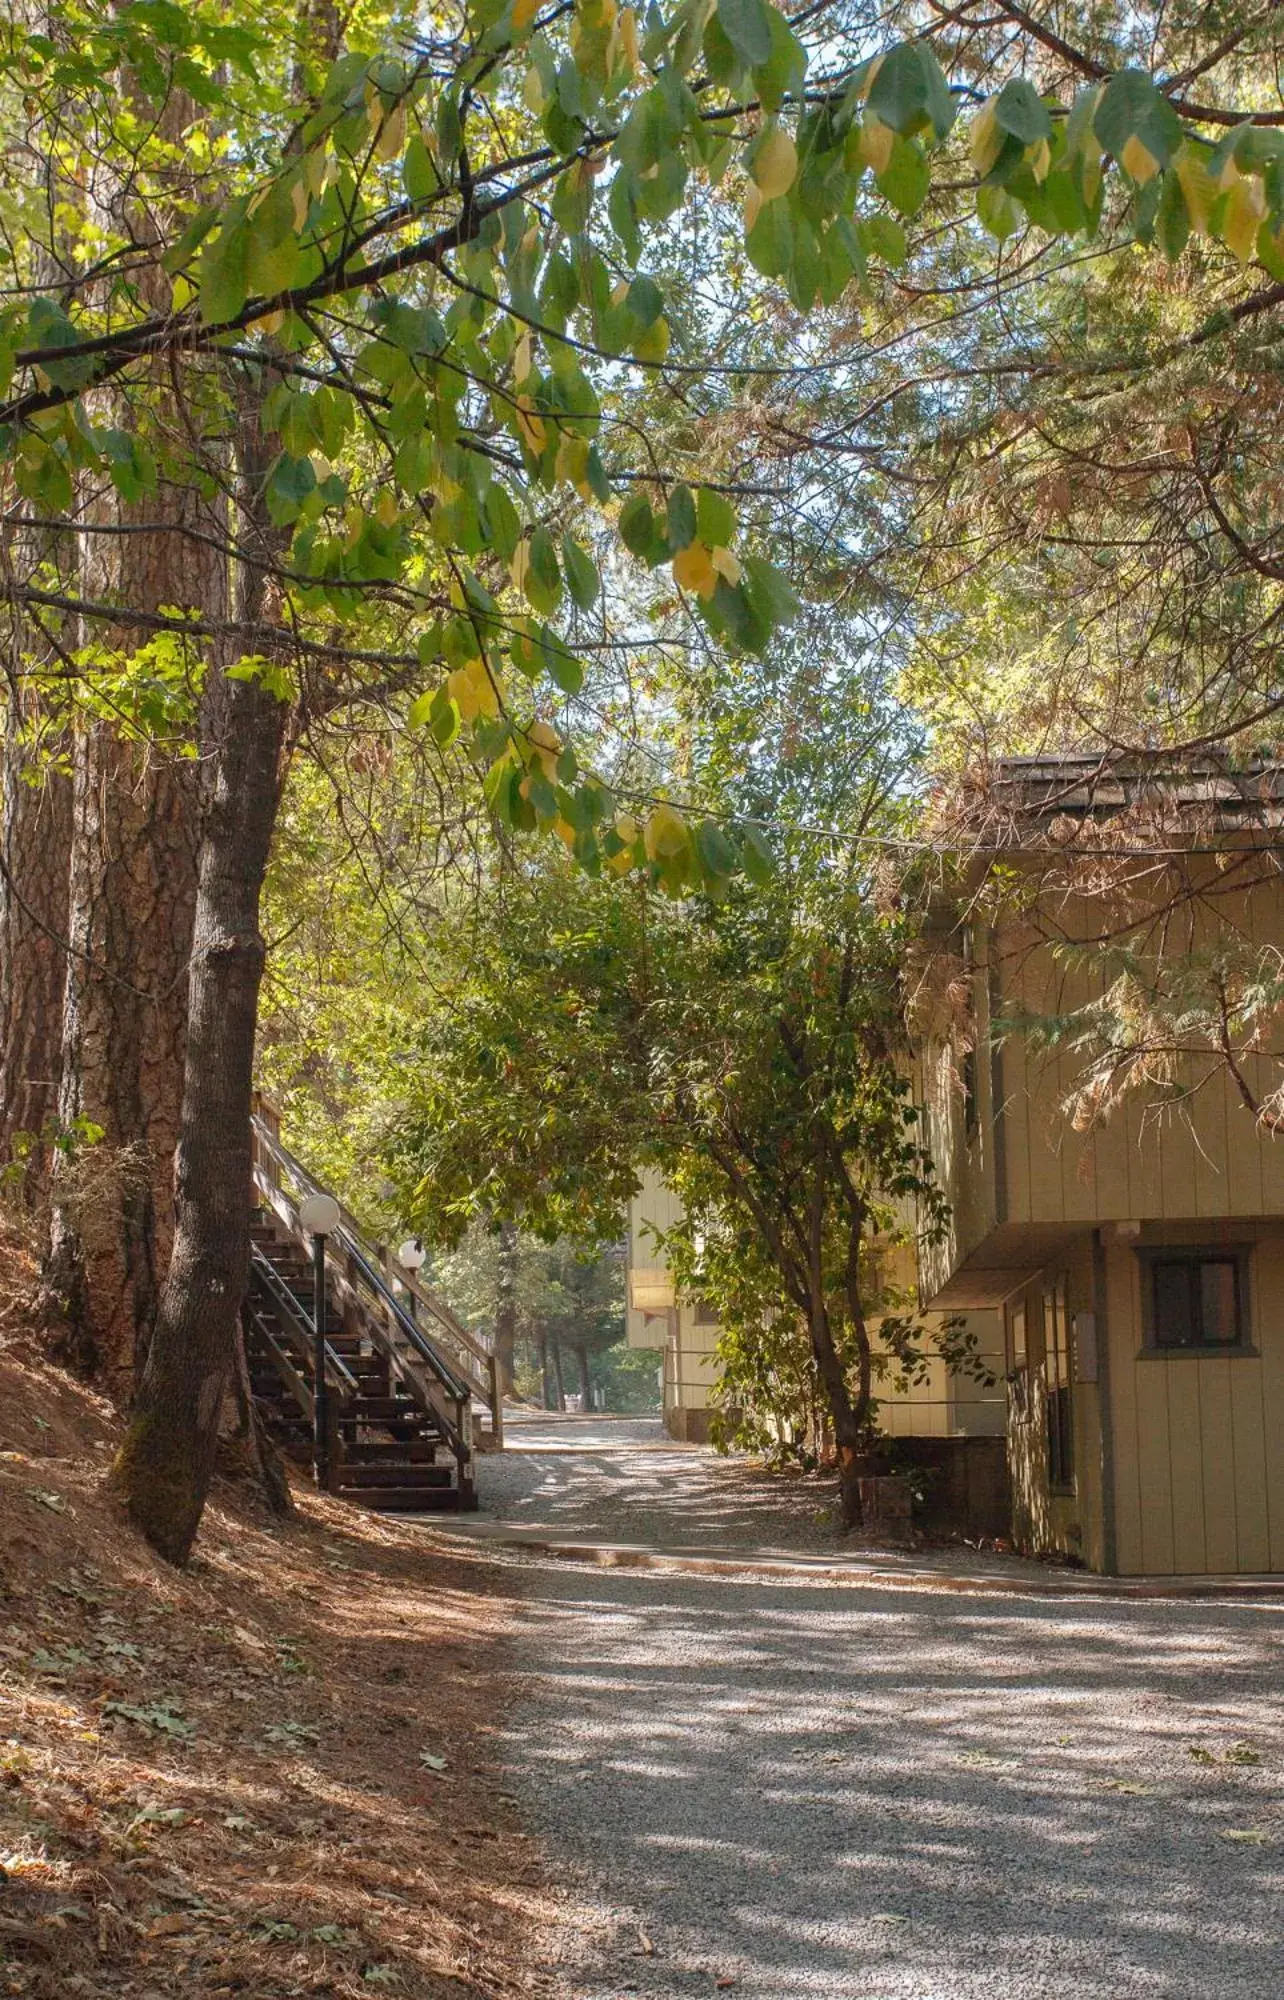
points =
(1148, 1255)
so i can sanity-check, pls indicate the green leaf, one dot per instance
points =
(1020, 110)
(904, 93)
(717, 856)
(418, 174)
(222, 284)
(715, 518)
(637, 524)
(770, 591)
(582, 578)
(560, 665)
(747, 26)
(1172, 223)
(756, 855)
(1132, 108)
(770, 243)
(883, 237)
(680, 520)
(906, 178)
(997, 211)
(543, 584)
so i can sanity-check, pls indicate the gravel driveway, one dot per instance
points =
(899, 1794)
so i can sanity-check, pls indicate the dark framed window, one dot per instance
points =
(1194, 1301)
(1060, 1396)
(705, 1314)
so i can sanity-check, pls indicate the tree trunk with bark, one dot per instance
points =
(135, 834)
(35, 846)
(559, 1384)
(586, 1379)
(165, 1463)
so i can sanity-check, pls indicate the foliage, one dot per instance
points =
(430, 255)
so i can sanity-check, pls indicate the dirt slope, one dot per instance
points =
(272, 1775)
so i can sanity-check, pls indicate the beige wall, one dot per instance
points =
(1198, 1439)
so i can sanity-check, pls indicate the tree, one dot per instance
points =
(425, 265)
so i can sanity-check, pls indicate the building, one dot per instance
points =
(948, 1407)
(1132, 1238)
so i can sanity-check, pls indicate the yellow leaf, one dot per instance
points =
(753, 204)
(522, 358)
(387, 510)
(775, 164)
(392, 134)
(1197, 186)
(693, 569)
(629, 38)
(1040, 158)
(627, 828)
(316, 170)
(524, 12)
(1245, 208)
(462, 690)
(652, 344)
(726, 566)
(666, 834)
(572, 460)
(876, 142)
(620, 292)
(520, 563)
(534, 95)
(1138, 160)
(546, 744)
(867, 81)
(564, 830)
(985, 140)
(532, 427)
(299, 203)
(270, 322)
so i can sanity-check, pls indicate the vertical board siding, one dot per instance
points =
(1199, 1438)
(1185, 1448)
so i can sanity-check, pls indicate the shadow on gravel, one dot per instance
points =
(904, 1797)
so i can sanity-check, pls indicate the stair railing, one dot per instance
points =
(294, 1356)
(467, 1354)
(426, 1374)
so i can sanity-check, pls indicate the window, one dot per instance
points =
(1017, 1323)
(704, 1314)
(1056, 1368)
(1194, 1299)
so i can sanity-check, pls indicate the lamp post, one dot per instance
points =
(319, 1214)
(411, 1257)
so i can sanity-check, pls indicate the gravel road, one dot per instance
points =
(899, 1794)
(622, 1479)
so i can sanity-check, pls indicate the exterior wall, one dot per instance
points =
(949, 1403)
(1045, 1521)
(1208, 1160)
(1198, 1439)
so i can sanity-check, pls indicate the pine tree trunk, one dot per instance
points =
(558, 1382)
(164, 1466)
(586, 1380)
(135, 835)
(35, 843)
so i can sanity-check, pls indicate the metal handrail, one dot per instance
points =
(285, 1301)
(350, 1237)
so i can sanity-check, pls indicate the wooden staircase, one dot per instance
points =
(407, 1402)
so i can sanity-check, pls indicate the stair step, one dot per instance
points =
(403, 1499)
(418, 1451)
(397, 1477)
(385, 1409)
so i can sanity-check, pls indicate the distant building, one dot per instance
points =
(685, 1333)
